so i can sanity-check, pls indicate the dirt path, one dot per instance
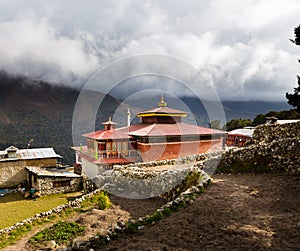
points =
(238, 212)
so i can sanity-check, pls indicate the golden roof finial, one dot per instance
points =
(162, 102)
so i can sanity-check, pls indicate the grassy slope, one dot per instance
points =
(15, 208)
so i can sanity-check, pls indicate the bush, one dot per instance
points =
(103, 201)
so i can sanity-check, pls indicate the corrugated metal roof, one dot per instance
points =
(35, 153)
(52, 172)
(242, 131)
(286, 121)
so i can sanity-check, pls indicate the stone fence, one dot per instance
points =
(270, 132)
(273, 148)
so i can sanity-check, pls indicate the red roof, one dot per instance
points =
(178, 129)
(158, 129)
(107, 134)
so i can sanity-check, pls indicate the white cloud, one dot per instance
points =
(244, 46)
(32, 47)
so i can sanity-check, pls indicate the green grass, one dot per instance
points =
(15, 208)
(15, 235)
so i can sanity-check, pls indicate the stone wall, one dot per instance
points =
(273, 148)
(151, 179)
(13, 172)
(47, 162)
(46, 185)
(270, 132)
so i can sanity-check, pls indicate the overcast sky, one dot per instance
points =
(243, 45)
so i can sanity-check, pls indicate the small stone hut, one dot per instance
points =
(53, 180)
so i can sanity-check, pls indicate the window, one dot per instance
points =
(61, 183)
(125, 146)
(108, 145)
(119, 146)
(114, 146)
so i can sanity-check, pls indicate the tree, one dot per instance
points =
(237, 123)
(294, 98)
(286, 114)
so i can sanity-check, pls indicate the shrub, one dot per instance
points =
(103, 201)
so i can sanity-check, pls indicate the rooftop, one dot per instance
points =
(52, 172)
(23, 154)
(247, 131)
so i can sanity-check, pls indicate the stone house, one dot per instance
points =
(13, 163)
(53, 180)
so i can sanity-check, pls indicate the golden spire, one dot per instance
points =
(162, 102)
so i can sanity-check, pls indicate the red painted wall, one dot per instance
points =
(236, 140)
(163, 151)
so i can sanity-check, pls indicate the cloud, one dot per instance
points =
(241, 70)
(32, 47)
(243, 47)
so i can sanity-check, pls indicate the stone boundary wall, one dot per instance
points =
(138, 181)
(273, 148)
(270, 132)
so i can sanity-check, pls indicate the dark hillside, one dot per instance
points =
(31, 109)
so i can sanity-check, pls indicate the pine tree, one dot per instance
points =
(294, 98)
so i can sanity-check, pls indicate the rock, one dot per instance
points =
(77, 243)
(117, 228)
(121, 223)
(52, 245)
